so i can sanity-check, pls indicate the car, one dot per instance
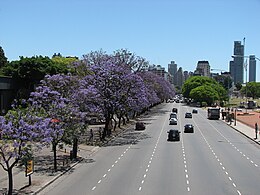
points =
(188, 128)
(173, 121)
(195, 111)
(139, 126)
(173, 135)
(173, 115)
(188, 115)
(175, 110)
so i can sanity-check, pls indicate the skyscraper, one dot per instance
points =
(236, 67)
(172, 69)
(252, 68)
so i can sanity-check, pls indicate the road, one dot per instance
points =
(214, 160)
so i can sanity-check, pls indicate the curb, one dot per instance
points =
(65, 171)
(241, 132)
(245, 135)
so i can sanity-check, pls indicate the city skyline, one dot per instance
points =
(160, 31)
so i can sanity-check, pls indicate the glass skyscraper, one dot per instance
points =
(236, 67)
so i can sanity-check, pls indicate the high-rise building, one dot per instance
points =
(252, 68)
(236, 67)
(158, 70)
(179, 77)
(172, 69)
(203, 69)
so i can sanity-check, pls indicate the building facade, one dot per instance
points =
(203, 69)
(252, 68)
(172, 69)
(236, 67)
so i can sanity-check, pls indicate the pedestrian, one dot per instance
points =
(256, 130)
(91, 135)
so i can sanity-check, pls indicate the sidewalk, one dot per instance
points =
(245, 124)
(43, 173)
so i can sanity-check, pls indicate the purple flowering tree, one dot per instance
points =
(18, 129)
(108, 85)
(50, 105)
(74, 112)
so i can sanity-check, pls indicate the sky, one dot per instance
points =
(161, 31)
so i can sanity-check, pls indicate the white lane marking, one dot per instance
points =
(215, 154)
(230, 142)
(112, 166)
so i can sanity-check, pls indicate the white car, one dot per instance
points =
(173, 121)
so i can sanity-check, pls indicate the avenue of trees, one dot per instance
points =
(63, 93)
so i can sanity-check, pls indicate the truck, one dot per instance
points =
(214, 113)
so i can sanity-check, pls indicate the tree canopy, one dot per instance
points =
(3, 59)
(204, 89)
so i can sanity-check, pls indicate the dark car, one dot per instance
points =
(173, 121)
(175, 110)
(188, 115)
(188, 128)
(173, 135)
(195, 111)
(139, 126)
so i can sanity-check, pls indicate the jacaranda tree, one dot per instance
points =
(50, 104)
(18, 131)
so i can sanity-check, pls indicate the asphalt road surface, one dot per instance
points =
(213, 160)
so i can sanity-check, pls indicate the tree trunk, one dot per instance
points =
(75, 147)
(119, 122)
(54, 147)
(10, 178)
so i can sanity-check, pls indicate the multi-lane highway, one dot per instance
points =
(214, 160)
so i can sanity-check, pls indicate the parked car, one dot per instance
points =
(188, 115)
(188, 128)
(173, 135)
(139, 126)
(195, 111)
(173, 121)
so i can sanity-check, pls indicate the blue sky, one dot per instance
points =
(184, 31)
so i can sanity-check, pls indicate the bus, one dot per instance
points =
(214, 113)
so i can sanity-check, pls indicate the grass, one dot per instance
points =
(236, 101)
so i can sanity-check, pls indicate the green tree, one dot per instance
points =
(3, 59)
(198, 81)
(238, 86)
(252, 89)
(28, 71)
(204, 93)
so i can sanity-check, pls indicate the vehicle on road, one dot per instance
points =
(175, 110)
(188, 115)
(173, 135)
(173, 121)
(195, 111)
(213, 113)
(188, 128)
(173, 115)
(139, 126)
